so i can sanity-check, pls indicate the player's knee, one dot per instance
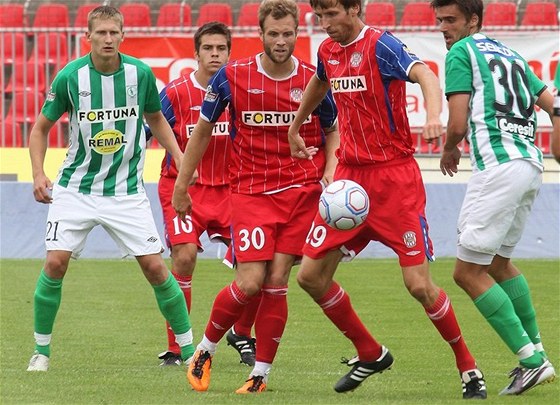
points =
(183, 264)
(421, 291)
(307, 282)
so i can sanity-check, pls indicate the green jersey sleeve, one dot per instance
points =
(458, 70)
(57, 101)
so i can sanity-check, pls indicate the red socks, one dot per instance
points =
(271, 321)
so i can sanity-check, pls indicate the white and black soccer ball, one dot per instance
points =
(344, 204)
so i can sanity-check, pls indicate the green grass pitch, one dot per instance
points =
(108, 333)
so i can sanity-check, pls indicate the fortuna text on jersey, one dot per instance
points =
(348, 84)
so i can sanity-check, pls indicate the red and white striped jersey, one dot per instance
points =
(367, 78)
(181, 100)
(262, 109)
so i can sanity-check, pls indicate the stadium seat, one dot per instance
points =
(28, 77)
(500, 14)
(136, 15)
(12, 47)
(540, 14)
(543, 141)
(304, 8)
(82, 14)
(11, 135)
(418, 14)
(380, 14)
(25, 107)
(52, 15)
(13, 15)
(249, 15)
(50, 49)
(215, 12)
(172, 15)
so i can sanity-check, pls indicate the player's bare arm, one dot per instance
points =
(164, 134)
(42, 185)
(457, 127)
(314, 93)
(551, 104)
(194, 151)
(331, 145)
(431, 90)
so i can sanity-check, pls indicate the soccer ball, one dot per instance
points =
(344, 205)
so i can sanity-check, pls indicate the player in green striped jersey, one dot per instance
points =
(555, 140)
(492, 94)
(106, 95)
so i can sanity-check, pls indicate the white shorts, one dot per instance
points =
(127, 219)
(496, 206)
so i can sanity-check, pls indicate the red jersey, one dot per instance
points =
(262, 109)
(181, 100)
(367, 78)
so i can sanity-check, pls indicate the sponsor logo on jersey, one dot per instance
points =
(409, 239)
(492, 48)
(517, 126)
(84, 93)
(348, 84)
(51, 95)
(333, 62)
(210, 95)
(221, 128)
(255, 91)
(296, 95)
(269, 118)
(109, 114)
(107, 142)
(356, 59)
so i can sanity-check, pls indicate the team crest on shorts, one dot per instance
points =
(409, 239)
(356, 59)
(296, 95)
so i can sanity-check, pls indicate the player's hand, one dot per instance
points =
(298, 148)
(432, 130)
(42, 189)
(449, 161)
(181, 202)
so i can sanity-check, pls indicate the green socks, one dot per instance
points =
(171, 303)
(48, 294)
(517, 290)
(497, 308)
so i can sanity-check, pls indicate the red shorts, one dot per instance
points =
(264, 224)
(396, 216)
(211, 213)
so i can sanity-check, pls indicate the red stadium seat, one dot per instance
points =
(25, 107)
(136, 15)
(304, 8)
(500, 14)
(13, 15)
(380, 15)
(172, 15)
(215, 12)
(13, 48)
(11, 135)
(50, 49)
(540, 14)
(28, 77)
(418, 14)
(249, 15)
(52, 15)
(82, 14)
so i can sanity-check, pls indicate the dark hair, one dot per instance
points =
(344, 3)
(278, 9)
(212, 28)
(105, 13)
(467, 7)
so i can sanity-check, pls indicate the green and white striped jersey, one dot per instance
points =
(107, 143)
(502, 122)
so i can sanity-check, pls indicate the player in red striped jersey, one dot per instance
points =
(366, 69)
(181, 101)
(271, 191)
